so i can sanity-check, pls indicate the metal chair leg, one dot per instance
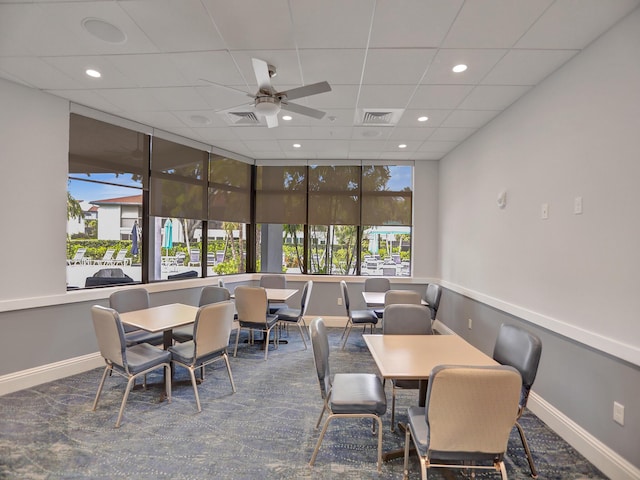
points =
(534, 472)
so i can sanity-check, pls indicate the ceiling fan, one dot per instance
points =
(268, 102)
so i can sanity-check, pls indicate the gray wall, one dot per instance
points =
(580, 382)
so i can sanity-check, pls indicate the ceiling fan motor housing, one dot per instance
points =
(267, 105)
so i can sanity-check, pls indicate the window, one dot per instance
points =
(281, 215)
(107, 176)
(230, 212)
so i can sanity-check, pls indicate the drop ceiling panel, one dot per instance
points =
(493, 97)
(493, 23)
(252, 24)
(148, 70)
(452, 134)
(284, 61)
(132, 99)
(336, 66)
(76, 66)
(216, 134)
(37, 73)
(479, 61)
(175, 26)
(406, 134)
(338, 133)
(201, 119)
(469, 118)
(441, 97)
(412, 23)
(435, 117)
(569, 24)
(385, 96)
(397, 67)
(340, 96)
(332, 23)
(178, 98)
(90, 98)
(371, 133)
(217, 67)
(527, 67)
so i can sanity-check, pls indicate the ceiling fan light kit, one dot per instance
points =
(267, 106)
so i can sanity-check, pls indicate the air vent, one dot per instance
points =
(243, 118)
(378, 116)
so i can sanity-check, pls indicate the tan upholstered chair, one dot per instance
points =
(468, 415)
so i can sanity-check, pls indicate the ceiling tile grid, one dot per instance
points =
(184, 66)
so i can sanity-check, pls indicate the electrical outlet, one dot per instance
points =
(618, 413)
(470, 324)
(544, 211)
(339, 301)
(577, 206)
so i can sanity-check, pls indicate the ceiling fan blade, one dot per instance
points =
(226, 86)
(306, 90)
(302, 110)
(272, 120)
(261, 69)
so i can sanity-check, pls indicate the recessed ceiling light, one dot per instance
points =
(459, 68)
(402, 145)
(200, 119)
(296, 145)
(93, 73)
(287, 117)
(423, 119)
(104, 30)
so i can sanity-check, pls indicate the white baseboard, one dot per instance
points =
(328, 320)
(609, 462)
(48, 373)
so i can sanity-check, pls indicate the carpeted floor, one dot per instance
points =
(265, 430)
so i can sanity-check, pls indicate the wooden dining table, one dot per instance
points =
(163, 318)
(376, 299)
(413, 357)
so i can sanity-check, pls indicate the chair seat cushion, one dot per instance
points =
(269, 322)
(144, 356)
(364, 316)
(142, 336)
(357, 393)
(288, 314)
(275, 307)
(183, 334)
(183, 352)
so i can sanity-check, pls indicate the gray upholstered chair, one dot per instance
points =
(296, 315)
(211, 332)
(127, 361)
(354, 395)
(522, 350)
(432, 297)
(392, 297)
(252, 308)
(130, 300)
(209, 294)
(355, 317)
(377, 284)
(465, 423)
(274, 281)
(405, 319)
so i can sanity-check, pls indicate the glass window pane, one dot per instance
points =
(177, 248)
(334, 195)
(229, 190)
(386, 250)
(281, 194)
(178, 176)
(386, 194)
(333, 249)
(227, 248)
(280, 248)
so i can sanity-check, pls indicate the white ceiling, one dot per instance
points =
(376, 54)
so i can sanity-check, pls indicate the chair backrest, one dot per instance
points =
(213, 294)
(320, 347)
(345, 296)
(122, 254)
(251, 303)
(470, 411)
(395, 257)
(108, 255)
(273, 281)
(129, 300)
(194, 255)
(306, 296)
(389, 270)
(110, 335)
(79, 253)
(433, 294)
(406, 319)
(112, 272)
(212, 328)
(219, 256)
(402, 296)
(521, 350)
(377, 284)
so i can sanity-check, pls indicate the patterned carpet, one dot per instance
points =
(264, 431)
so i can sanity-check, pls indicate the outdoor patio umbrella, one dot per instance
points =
(134, 239)
(168, 235)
